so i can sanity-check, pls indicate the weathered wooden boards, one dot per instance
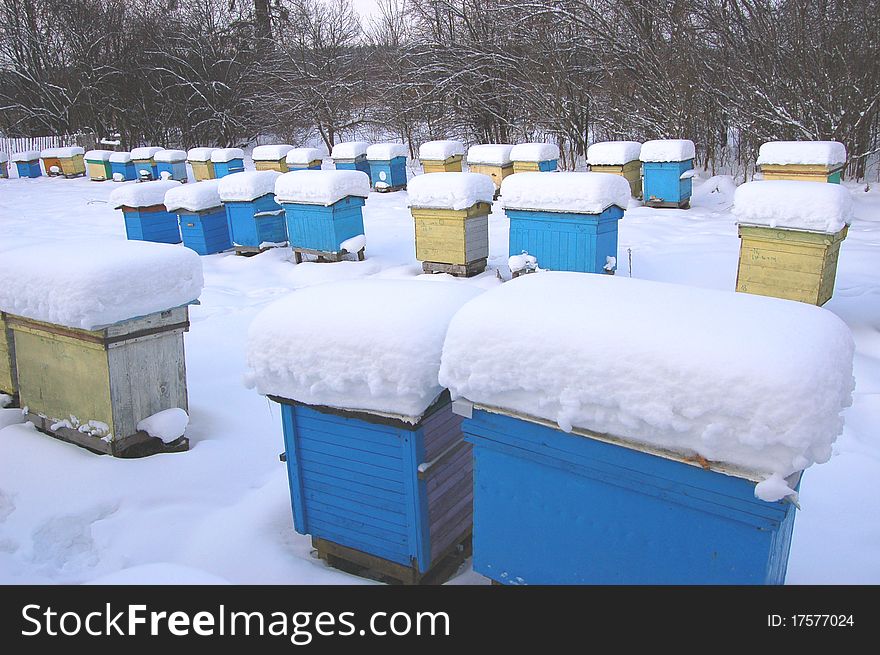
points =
(453, 241)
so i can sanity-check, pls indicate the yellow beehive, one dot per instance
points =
(449, 165)
(73, 166)
(458, 240)
(267, 165)
(805, 172)
(497, 173)
(632, 171)
(785, 263)
(807, 161)
(202, 170)
(7, 359)
(115, 375)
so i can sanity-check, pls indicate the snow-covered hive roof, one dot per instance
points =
(754, 383)
(350, 149)
(440, 150)
(143, 194)
(170, 156)
(303, 155)
(799, 205)
(450, 190)
(386, 361)
(386, 151)
(247, 185)
(662, 150)
(534, 152)
(613, 153)
(823, 153)
(223, 155)
(145, 152)
(25, 155)
(120, 158)
(585, 193)
(321, 187)
(275, 152)
(493, 154)
(92, 283)
(195, 197)
(62, 153)
(199, 154)
(99, 155)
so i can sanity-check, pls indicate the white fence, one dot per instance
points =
(13, 145)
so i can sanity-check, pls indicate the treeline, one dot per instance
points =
(729, 74)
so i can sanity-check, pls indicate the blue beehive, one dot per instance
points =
(304, 159)
(380, 474)
(202, 217)
(146, 217)
(568, 221)
(227, 161)
(667, 168)
(387, 166)
(121, 167)
(255, 219)
(351, 156)
(322, 208)
(27, 163)
(144, 161)
(622, 433)
(171, 164)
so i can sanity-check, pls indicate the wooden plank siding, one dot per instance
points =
(451, 236)
(8, 384)
(803, 172)
(631, 171)
(449, 165)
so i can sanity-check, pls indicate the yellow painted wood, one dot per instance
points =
(266, 165)
(632, 171)
(497, 173)
(448, 165)
(97, 172)
(7, 359)
(204, 170)
(802, 172)
(451, 236)
(791, 264)
(73, 165)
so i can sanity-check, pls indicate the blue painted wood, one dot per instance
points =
(605, 514)
(662, 181)
(125, 169)
(563, 241)
(360, 164)
(157, 226)
(354, 479)
(316, 227)
(548, 165)
(28, 168)
(303, 167)
(257, 221)
(224, 168)
(388, 171)
(177, 170)
(206, 232)
(145, 165)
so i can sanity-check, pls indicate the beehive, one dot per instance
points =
(667, 169)
(271, 157)
(492, 160)
(144, 162)
(67, 162)
(807, 161)
(351, 156)
(27, 163)
(618, 158)
(171, 164)
(98, 165)
(203, 224)
(300, 159)
(255, 220)
(387, 166)
(226, 161)
(199, 160)
(534, 157)
(144, 211)
(441, 156)
(121, 167)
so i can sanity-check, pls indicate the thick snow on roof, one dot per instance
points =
(170, 156)
(450, 190)
(199, 154)
(141, 194)
(99, 155)
(826, 153)
(321, 187)
(145, 152)
(440, 150)
(613, 153)
(274, 152)
(662, 150)
(90, 283)
(534, 152)
(386, 151)
(194, 197)
(588, 193)
(247, 185)
(120, 157)
(62, 153)
(386, 360)
(350, 149)
(303, 155)
(222, 155)
(26, 155)
(813, 206)
(494, 154)
(752, 382)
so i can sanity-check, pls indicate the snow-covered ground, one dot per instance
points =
(221, 512)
